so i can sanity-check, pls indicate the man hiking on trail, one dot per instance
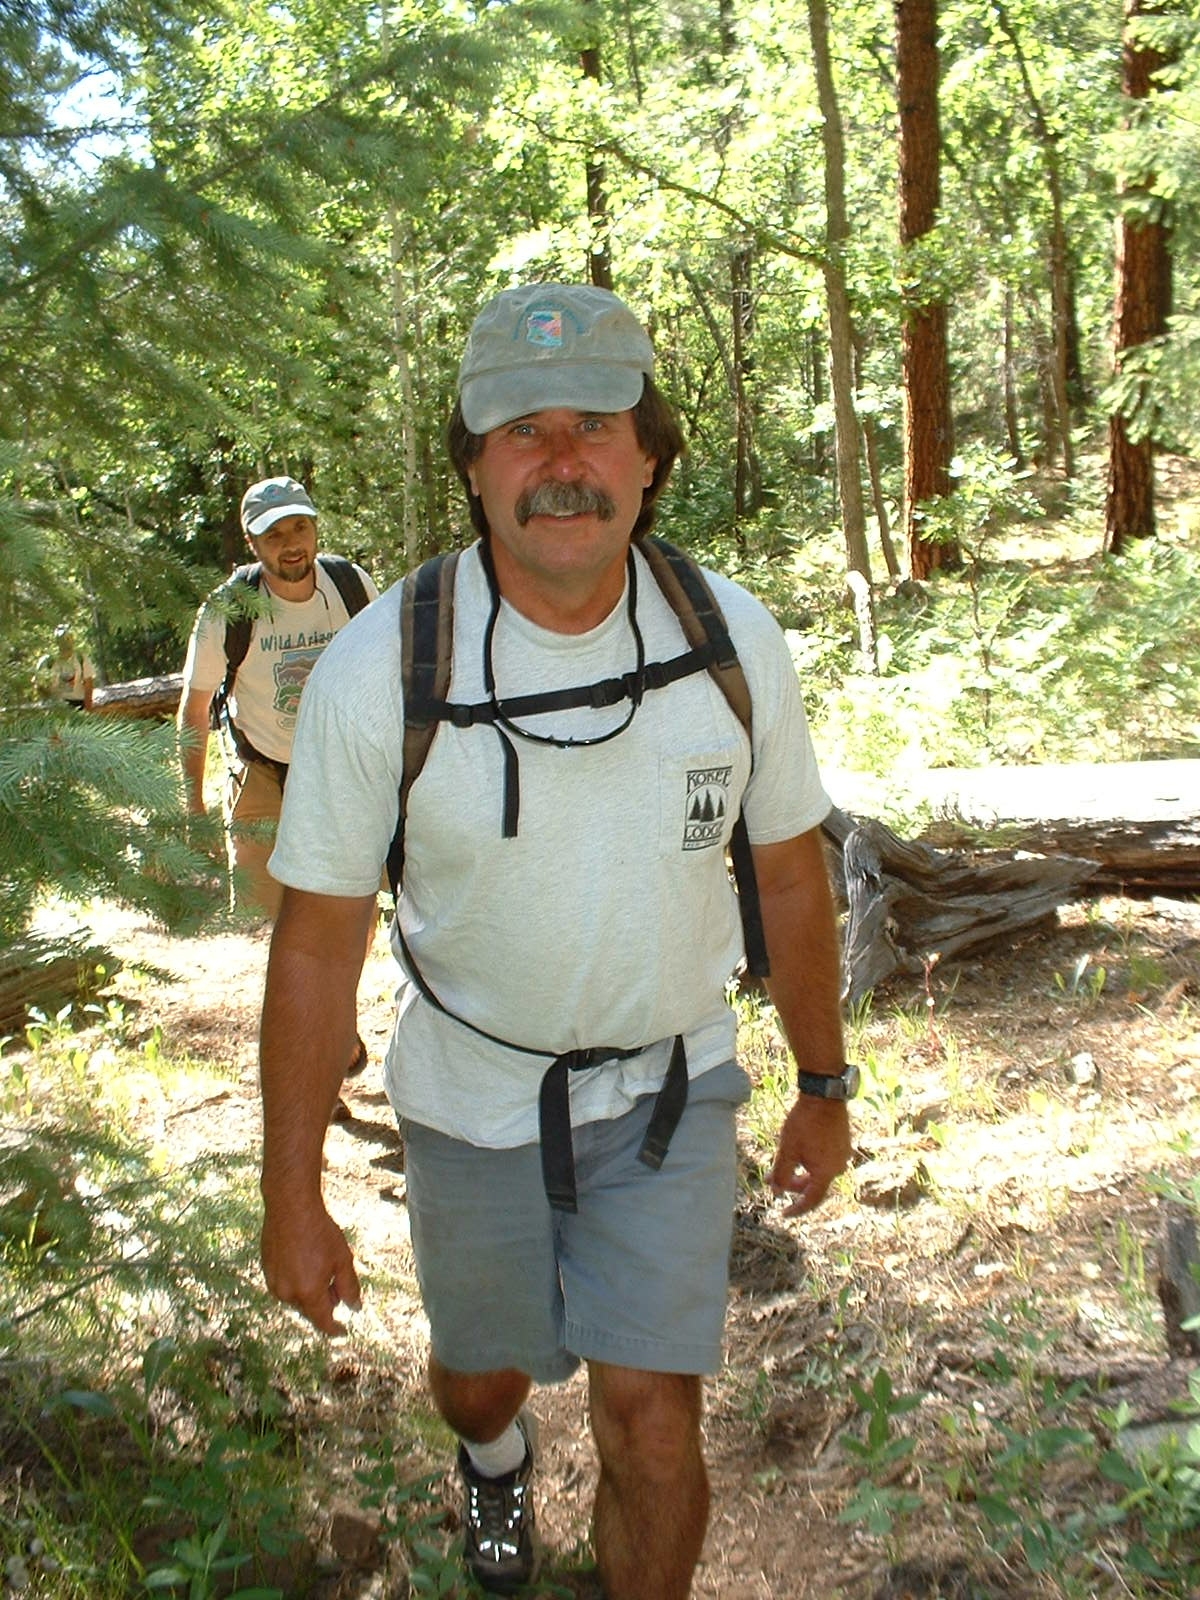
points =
(293, 607)
(563, 1060)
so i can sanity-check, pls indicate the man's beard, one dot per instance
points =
(289, 574)
(564, 500)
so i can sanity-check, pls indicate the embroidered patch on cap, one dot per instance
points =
(545, 328)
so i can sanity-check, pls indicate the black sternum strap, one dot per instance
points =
(554, 1117)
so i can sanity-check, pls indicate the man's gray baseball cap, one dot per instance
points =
(552, 345)
(265, 502)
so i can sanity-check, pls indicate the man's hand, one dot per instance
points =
(306, 1038)
(308, 1264)
(814, 1146)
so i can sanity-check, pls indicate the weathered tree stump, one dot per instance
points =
(909, 904)
(1139, 821)
(46, 974)
(1178, 1279)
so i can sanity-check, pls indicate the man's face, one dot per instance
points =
(288, 549)
(561, 491)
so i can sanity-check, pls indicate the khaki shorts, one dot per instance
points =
(253, 801)
(638, 1277)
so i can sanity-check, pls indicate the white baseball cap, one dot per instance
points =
(265, 502)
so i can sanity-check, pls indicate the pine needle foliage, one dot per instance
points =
(89, 806)
(95, 1229)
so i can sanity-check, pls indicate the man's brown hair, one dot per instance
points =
(658, 434)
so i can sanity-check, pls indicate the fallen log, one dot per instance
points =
(44, 974)
(1139, 821)
(909, 904)
(141, 697)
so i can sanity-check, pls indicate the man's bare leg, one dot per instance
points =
(652, 1499)
(477, 1405)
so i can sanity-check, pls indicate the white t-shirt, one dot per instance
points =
(284, 647)
(610, 918)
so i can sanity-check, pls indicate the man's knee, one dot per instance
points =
(477, 1405)
(648, 1422)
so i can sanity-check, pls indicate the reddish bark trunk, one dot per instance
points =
(928, 427)
(1143, 304)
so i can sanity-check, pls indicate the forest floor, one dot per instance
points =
(993, 1245)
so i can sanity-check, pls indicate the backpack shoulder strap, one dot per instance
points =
(239, 624)
(347, 582)
(426, 663)
(238, 621)
(687, 591)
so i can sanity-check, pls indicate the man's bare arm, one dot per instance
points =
(804, 986)
(193, 720)
(308, 1035)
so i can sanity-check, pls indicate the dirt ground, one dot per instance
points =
(1002, 1153)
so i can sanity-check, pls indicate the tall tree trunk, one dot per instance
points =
(1060, 288)
(599, 243)
(747, 494)
(837, 301)
(925, 366)
(875, 475)
(817, 378)
(410, 524)
(729, 366)
(1008, 379)
(1143, 303)
(747, 475)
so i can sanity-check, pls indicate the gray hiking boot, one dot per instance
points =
(499, 1544)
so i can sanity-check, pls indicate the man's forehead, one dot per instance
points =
(552, 413)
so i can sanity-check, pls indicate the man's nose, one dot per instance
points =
(562, 454)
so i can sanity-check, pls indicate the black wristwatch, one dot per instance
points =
(841, 1085)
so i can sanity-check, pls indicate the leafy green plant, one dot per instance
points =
(882, 1452)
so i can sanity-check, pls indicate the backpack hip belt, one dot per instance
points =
(554, 1094)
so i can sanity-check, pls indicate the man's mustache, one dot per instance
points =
(564, 500)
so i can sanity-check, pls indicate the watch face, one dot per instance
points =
(852, 1079)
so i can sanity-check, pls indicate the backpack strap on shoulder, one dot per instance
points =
(427, 640)
(346, 581)
(686, 590)
(233, 596)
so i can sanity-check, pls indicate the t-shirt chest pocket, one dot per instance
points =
(700, 795)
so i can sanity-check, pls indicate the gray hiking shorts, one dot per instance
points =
(637, 1277)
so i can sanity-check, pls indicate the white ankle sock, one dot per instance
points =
(504, 1454)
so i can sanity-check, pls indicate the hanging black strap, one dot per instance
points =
(554, 1095)
(247, 752)
(554, 1118)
